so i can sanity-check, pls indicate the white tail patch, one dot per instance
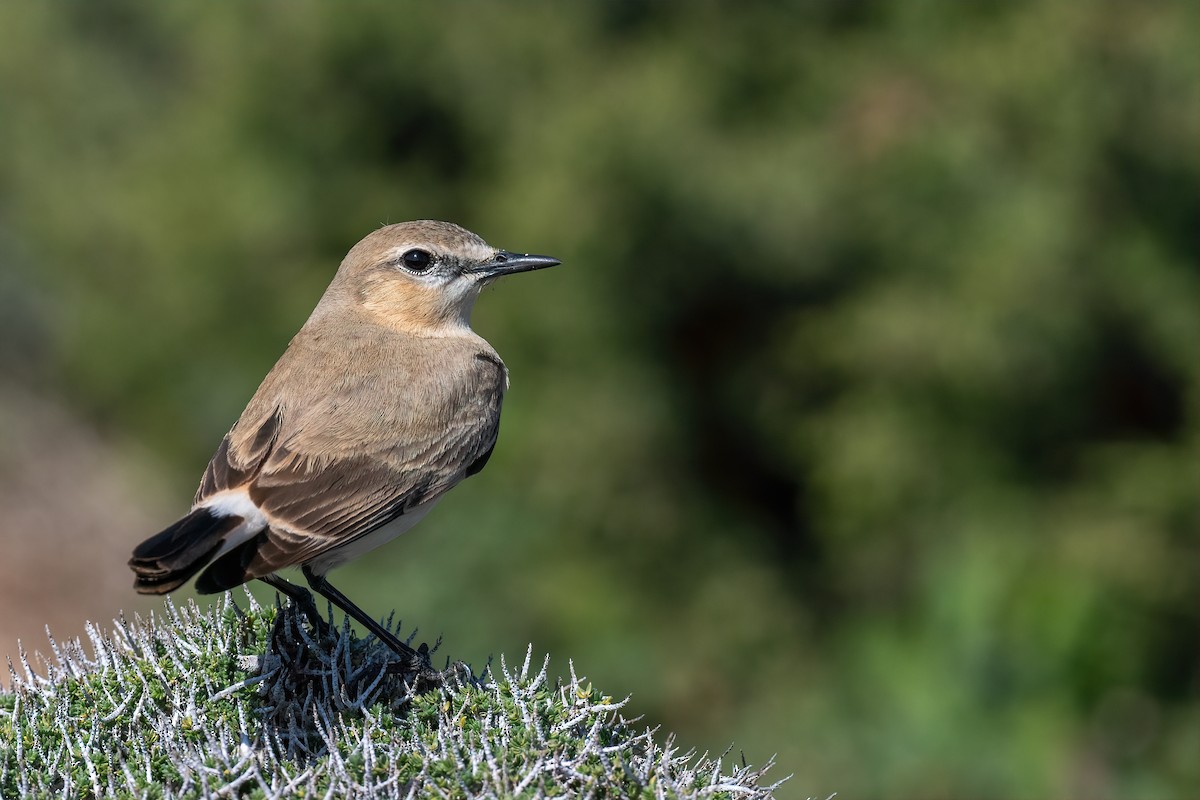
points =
(231, 503)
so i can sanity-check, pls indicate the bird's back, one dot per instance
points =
(388, 396)
(357, 447)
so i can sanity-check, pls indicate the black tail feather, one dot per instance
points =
(168, 559)
(232, 568)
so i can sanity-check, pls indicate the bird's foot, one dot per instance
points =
(303, 602)
(415, 665)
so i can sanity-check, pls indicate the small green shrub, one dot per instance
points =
(233, 702)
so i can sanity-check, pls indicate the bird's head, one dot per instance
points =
(423, 276)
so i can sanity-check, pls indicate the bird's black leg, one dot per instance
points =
(418, 661)
(301, 597)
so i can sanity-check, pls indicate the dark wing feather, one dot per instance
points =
(225, 471)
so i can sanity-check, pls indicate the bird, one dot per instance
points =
(382, 402)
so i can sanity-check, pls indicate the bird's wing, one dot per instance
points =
(315, 501)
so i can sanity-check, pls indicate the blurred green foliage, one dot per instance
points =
(859, 424)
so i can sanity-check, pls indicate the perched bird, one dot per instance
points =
(382, 402)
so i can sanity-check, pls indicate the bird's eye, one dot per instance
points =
(417, 260)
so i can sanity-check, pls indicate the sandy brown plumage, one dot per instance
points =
(350, 448)
(382, 402)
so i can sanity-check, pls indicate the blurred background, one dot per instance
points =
(859, 425)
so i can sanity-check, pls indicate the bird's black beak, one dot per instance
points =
(506, 263)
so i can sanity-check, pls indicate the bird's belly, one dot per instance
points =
(381, 535)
